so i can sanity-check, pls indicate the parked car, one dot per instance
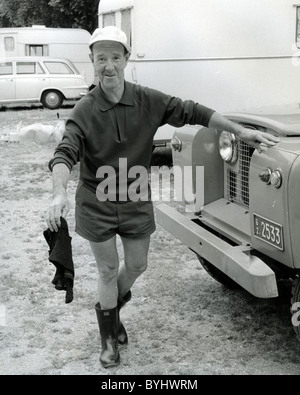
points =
(40, 79)
(243, 220)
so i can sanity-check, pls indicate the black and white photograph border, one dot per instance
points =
(179, 321)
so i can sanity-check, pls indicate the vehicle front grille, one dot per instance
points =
(237, 176)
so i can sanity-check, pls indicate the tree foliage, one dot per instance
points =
(51, 13)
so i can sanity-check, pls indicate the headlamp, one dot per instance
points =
(228, 147)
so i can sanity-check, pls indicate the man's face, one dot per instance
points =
(109, 61)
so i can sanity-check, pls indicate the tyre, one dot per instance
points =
(52, 99)
(295, 306)
(217, 274)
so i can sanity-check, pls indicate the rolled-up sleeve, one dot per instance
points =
(179, 113)
(70, 150)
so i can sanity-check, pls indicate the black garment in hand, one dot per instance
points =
(60, 254)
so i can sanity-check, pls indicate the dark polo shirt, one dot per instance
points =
(99, 132)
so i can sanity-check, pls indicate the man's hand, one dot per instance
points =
(255, 138)
(250, 136)
(60, 204)
(58, 208)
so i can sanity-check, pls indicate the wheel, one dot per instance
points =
(219, 276)
(52, 99)
(295, 308)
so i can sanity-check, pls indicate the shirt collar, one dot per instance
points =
(127, 98)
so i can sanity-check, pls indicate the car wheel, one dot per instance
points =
(52, 99)
(217, 274)
(295, 306)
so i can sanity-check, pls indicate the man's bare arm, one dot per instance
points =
(252, 137)
(60, 204)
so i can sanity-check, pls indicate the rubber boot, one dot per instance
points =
(122, 334)
(108, 327)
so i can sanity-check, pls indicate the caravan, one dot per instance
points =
(240, 55)
(53, 42)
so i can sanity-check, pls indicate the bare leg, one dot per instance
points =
(135, 263)
(107, 260)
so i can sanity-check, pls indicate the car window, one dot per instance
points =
(6, 68)
(29, 68)
(58, 68)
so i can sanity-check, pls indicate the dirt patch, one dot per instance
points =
(179, 321)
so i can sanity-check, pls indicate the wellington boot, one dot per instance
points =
(122, 334)
(108, 326)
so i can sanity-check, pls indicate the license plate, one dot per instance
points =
(268, 231)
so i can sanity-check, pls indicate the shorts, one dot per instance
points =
(99, 221)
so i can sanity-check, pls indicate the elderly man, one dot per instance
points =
(115, 121)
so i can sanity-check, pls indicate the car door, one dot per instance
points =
(7, 82)
(31, 79)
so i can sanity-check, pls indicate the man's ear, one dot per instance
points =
(91, 57)
(127, 56)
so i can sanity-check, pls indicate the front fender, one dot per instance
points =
(294, 210)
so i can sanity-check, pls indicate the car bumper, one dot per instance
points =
(236, 262)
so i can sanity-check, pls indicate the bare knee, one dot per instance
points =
(136, 255)
(137, 267)
(107, 260)
(108, 273)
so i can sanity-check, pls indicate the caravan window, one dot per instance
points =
(6, 68)
(126, 23)
(29, 68)
(9, 43)
(298, 27)
(109, 19)
(121, 19)
(36, 50)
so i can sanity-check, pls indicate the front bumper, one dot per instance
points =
(250, 272)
